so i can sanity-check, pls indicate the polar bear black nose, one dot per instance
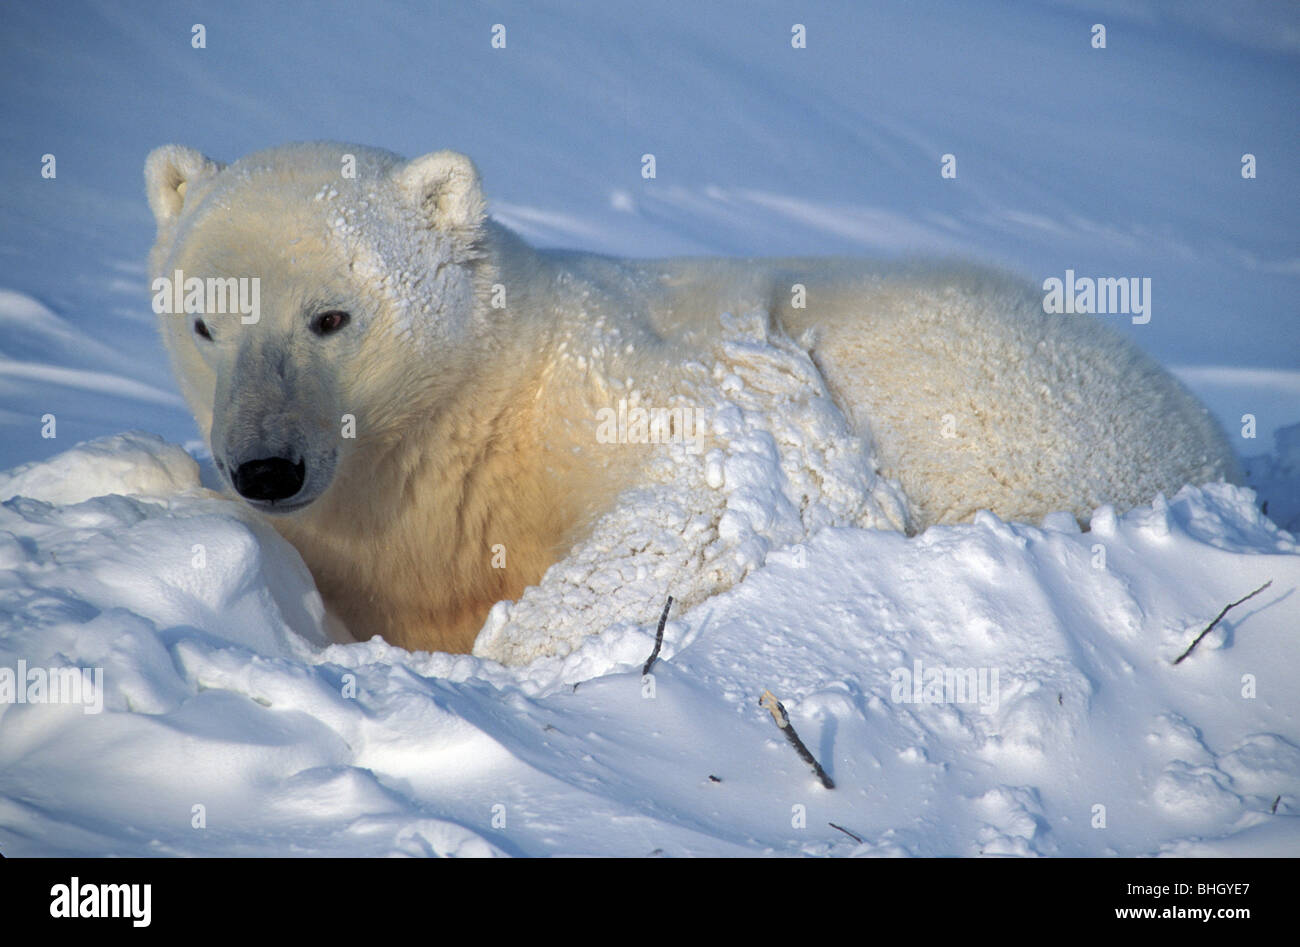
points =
(269, 478)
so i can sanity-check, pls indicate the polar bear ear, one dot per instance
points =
(169, 172)
(444, 186)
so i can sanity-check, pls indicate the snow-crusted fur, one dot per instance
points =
(475, 370)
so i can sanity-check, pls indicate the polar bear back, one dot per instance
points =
(977, 399)
(973, 396)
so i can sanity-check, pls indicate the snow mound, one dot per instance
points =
(130, 464)
(122, 523)
(1018, 680)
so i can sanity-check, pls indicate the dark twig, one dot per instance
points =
(1210, 628)
(659, 637)
(1275, 802)
(773, 706)
(845, 831)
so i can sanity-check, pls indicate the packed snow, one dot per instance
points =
(990, 688)
(220, 690)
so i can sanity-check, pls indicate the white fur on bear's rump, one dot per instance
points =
(901, 396)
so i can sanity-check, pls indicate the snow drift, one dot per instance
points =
(231, 725)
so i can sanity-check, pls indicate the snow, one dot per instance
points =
(221, 691)
(221, 686)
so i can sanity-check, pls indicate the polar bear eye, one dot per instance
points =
(201, 329)
(323, 323)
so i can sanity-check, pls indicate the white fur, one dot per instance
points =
(475, 426)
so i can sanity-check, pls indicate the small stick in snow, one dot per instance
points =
(659, 637)
(845, 831)
(1275, 802)
(773, 706)
(1210, 628)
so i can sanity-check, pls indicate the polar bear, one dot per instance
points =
(417, 402)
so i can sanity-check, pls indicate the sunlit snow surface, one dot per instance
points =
(221, 690)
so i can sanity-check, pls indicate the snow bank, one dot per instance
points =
(129, 464)
(231, 726)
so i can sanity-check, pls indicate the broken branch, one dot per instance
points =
(773, 706)
(659, 637)
(1219, 618)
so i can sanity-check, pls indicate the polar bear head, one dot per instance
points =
(317, 301)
